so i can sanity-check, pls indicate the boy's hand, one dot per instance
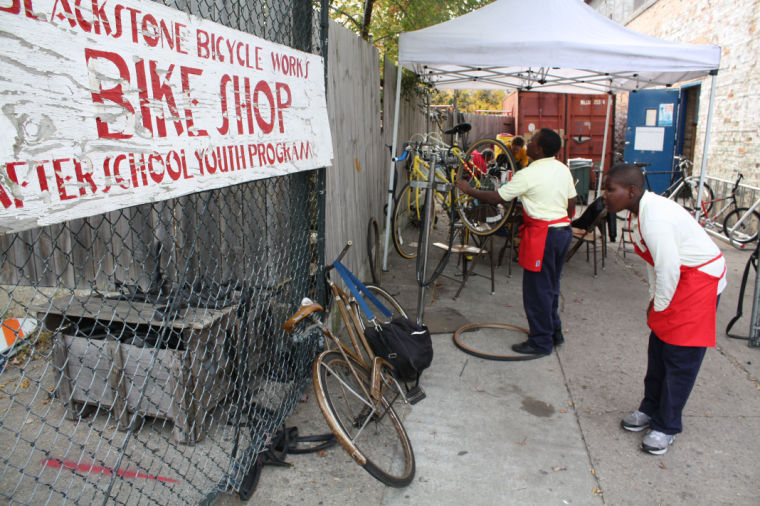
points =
(462, 186)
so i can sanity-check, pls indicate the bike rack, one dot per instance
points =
(726, 185)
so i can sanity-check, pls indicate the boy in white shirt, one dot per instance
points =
(686, 275)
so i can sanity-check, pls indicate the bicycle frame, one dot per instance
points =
(711, 220)
(417, 174)
(359, 349)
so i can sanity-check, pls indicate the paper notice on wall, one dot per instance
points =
(651, 117)
(665, 118)
(649, 139)
(136, 102)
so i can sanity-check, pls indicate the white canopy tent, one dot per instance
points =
(561, 46)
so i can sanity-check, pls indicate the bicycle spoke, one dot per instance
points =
(369, 429)
(346, 385)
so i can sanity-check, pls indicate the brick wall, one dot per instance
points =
(735, 26)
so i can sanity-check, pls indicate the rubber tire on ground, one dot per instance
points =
(490, 356)
(748, 229)
(376, 451)
(469, 213)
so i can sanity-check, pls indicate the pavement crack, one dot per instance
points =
(740, 366)
(598, 491)
(463, 366)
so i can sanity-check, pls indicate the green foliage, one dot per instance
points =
(470, 101)
(391, 17)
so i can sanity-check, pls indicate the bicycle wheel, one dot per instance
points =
(374, 437)
(746, 231)
(480, 217)
(387, 300)
(687, 195)
(407, 220)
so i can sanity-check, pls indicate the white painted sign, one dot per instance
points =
(109, 104)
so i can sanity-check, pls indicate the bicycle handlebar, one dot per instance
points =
(736, 184)
(340, 256)
(401, 158)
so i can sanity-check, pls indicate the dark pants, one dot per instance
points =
(541, 290)
(671, 373)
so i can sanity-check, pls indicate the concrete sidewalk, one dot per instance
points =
(547, 431)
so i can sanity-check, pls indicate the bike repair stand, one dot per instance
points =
(424, 247)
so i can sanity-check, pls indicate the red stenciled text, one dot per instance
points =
(259, 102)
(69, 179)
(154, 86)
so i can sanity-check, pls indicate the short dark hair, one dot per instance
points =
(549, 141)
(626, 174)
(518, 141)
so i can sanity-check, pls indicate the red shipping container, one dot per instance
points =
(579, 119)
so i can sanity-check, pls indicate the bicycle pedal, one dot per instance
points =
(415, 395)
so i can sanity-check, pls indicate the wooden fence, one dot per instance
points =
(361, 120)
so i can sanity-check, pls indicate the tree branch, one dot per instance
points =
(347, 15)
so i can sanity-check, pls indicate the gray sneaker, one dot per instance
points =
(656, 442)
(635, 422)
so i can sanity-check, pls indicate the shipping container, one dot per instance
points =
(579, 119)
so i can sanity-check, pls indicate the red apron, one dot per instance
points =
(533, 241)
(689, 319)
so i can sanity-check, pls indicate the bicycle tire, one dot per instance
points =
(459, 343)
(388, 301)
(746, 232)
(479, 217)
(373, 250)
(687, 196)
(376, 441)
(407, 221)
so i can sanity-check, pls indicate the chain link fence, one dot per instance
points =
(149, 364)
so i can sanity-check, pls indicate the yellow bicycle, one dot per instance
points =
(453, 210)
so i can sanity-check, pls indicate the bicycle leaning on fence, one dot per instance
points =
(357, 391)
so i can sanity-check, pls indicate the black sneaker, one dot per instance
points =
(558, 338)
(527, 348)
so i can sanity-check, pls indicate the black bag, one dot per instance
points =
(403, 343)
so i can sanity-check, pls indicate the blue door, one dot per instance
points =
(651, 134)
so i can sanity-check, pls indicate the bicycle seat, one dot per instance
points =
(308, 306)
(459, 129)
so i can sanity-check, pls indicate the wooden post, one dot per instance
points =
(63, 380)
(116, 382)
